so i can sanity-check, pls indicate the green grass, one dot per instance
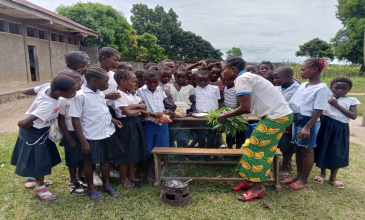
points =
(360, 109)
(209, 200)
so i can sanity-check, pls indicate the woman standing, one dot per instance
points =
(259, 96)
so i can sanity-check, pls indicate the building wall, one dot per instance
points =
(93, 54)
(12, 60)
(43, 54)
(58, 51)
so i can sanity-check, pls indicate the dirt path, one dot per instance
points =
(13, 111)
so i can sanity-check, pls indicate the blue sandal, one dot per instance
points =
(97, 193)
(112, 192)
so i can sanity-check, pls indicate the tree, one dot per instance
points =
(147, 49)
(234, 52)
(315, 48)
(167, 28)
(114, 30)
(348, 43)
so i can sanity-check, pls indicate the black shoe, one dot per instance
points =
(82, 182)
(76, 189)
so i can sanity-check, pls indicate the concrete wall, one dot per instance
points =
(43, 54)
(93, 54)
(71, 47)
(12, 60)
(58, 51)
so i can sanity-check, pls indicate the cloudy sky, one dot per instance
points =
(263, 29)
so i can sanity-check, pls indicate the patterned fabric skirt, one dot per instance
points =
(257, 158)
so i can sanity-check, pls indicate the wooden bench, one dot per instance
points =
(160, 170)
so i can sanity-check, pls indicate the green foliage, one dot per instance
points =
(315, 48)
(114, 30)
(178, 44)
(234, 52)
(348, 43)
(147, 49)
(231, 126)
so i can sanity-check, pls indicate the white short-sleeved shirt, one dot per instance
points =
(126, 99)
(45, 108)
(310, 98)
(345, 102)
(91, 108)
(206, 99)
(266, 100)
(183, 95)
(113, 86)
(230, 97)
(290, 91)
(153, 100)
(64, 110)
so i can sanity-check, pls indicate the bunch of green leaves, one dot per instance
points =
(231, 126)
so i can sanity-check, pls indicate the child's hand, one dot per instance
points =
(113, 95)
(85, 147)
(156, 114)
(72, 143)
(333, 101)
(304, 133)
(145, 113)
(222, 118)
(117, 123)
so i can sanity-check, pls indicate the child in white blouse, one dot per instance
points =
(332, 151)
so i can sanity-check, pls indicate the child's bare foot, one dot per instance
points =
(94, 194)
(283, 174)
(298, 185)
(112, 192)
(319, 179)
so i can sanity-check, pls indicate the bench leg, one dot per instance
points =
(157, 158)
(276, 174)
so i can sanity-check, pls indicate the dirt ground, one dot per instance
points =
(13, 111)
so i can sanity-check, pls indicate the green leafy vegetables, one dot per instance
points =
(231, 126)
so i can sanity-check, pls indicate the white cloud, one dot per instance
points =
(263, 29)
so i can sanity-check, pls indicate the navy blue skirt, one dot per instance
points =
(102, 150)
(333, 144)
(71, 154)
(34, 154)
(133, 138)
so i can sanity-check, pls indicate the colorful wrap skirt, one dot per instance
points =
(255, 164)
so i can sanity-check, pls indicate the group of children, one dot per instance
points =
(108, 115)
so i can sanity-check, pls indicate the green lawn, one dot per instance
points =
(361, 98)
(208, 200)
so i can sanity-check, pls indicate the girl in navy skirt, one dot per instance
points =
(127, 110)
(94, 128)
(333, 143)
(34, 154)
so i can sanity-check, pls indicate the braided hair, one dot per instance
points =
(139, 74)
(237, 62)
(122, 74)
(319, 63)
(62, 83)
(94, 72)
(203, 72)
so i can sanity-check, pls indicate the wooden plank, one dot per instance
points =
(206, 179)
(249, 117)
(203, 162)
(201, 151)
(190, 128)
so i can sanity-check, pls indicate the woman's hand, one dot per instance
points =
(85, 147)
(117, 123)
(72, 143)
(222, 118)
(304, 133)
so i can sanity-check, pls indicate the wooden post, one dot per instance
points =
(157, 158)
(363, 117)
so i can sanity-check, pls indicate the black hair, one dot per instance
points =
(62, 83)
(167, 61)
(284, 70)
(69, 73)
(150, 74)
(107, 52)
(208, 61)
(269, 74)
(266, 63)
(252, 64)
(203, 72)
(183, 70)
(164, 68)
(215, 65)
(342, 79)
(180, 64)
(123, 65)
(139, 74)
(148, 65)
(122, 74)
(74, 57)
(320, 63)
(94, 72)
(237, 62)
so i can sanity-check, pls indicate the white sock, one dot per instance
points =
(45, 193)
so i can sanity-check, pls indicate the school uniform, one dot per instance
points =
(168, 101)
(333, 142)
(113, 86)
(183, 95)
(34, 154)
(131, 134)
(156, 135)
(285, 145)
(303, 103)
(70, 154)
(268, 104)
(96, 125)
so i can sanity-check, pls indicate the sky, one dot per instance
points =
(263, 29)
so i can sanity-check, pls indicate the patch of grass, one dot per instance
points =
(360, 109)
(209, 200)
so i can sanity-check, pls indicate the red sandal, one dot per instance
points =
(249, 196)
(240, 187)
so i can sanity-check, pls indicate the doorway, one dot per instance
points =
(33, 63)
